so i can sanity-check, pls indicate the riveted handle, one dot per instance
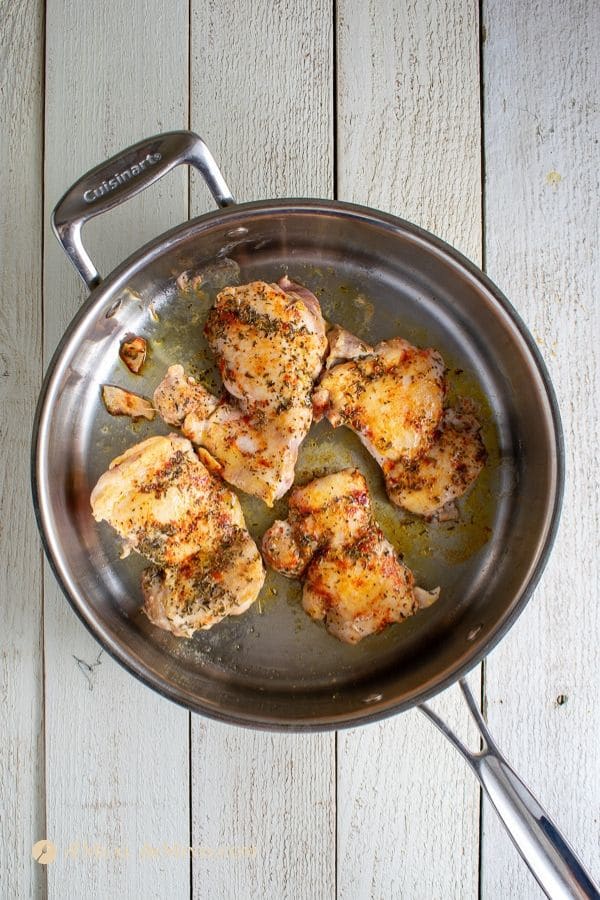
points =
(123, 176)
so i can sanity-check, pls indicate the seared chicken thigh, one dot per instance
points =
(444, 472)
(359, 589)
(255, 451)
(332, 511)
(202, 591)
(269, 342)
(391, 395)
(353, 579)
(166, 505)
(162, 500)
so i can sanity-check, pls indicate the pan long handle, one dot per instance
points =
(123, 176)
(553, 862)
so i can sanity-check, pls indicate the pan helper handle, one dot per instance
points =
(552, 861)
(123, 176)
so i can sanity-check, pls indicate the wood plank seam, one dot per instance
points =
(482, 668)
(22, 794)
(44, 760)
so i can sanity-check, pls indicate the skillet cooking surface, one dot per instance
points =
(274, 665)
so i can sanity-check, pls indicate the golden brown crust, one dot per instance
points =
(202, 591)
(269, 345)
(353, 579)
(444, 472)
(164, 503)
(392, 398)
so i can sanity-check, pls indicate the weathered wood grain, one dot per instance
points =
(262, 96)
(542, 207)
(408, 113)
(263, 813)
(409, 142)
(22, 821)
(263, 818)
(117, 754)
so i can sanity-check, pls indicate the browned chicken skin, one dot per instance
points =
(165, 504)
(353, 579)
(429, 484)
(255, 451)
(392, 396)
(269, 342)
(202, 591)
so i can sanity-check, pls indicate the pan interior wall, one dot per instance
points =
(274, 663)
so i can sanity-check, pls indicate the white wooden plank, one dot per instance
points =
(408, 113)
(409, 142)
(262, 98)
(117, 754)
(21, 669)
(542, 127)
(262, 95)
(263, 813)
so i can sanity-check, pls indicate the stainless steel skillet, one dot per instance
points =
(380, 276)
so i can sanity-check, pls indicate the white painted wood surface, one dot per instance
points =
(305, 817)
(409, 74)
(117, 755)
(279, 800)
(542, 152)
(21, 654)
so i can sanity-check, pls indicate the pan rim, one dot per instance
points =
(116, 648)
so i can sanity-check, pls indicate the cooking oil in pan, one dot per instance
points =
(174, 332)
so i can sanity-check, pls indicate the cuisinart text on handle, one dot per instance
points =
(121, 178)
